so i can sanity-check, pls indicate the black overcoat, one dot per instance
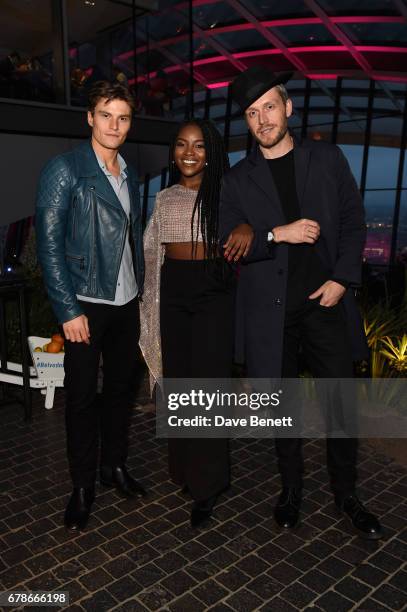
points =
(327, 193)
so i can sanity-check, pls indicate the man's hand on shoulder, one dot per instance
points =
(330, 293)
(77, 329)
(303, 230)
(239, 242)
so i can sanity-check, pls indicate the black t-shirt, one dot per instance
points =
(306, 272)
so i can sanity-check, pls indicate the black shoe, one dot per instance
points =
(202, 511)
(365, 523)
(119, 478)
(287, 510)
(78, 508)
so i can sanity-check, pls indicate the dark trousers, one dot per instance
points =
(114, 334)
(322, 334)
(197, 330)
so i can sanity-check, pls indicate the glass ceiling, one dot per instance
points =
(377, 33)
(214, 15)
(356, 7)
(305, 34)
(276, 8)
(354, 39)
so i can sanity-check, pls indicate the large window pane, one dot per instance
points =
(386, 129)
(213, 15)
(275, 8)
(218, 102)
(351, 135)
(99, 36)
(154, 186)
(295, 123)
(236, 156)
(320, 114)
(167, 24)
(402, 229)
(296, 88)
(382, 168)
(359, 7)
(312, 34)
(163, 65)
(243, 40)
(238, 127)
(27, 52)
(354, 155)
(352, 118)
(379, 206)
(382, 34)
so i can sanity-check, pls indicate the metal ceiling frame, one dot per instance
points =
(292, 58)
(401, 7)
(289, 52)
(200, 33)
(216, 45)
(341, 37)
(315, 75)
(172, 57)
(277, 23)
(269, 36)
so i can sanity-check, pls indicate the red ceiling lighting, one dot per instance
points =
(319, 61)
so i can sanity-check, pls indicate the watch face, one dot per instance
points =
(270, 236)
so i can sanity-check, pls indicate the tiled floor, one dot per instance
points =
(143, 555)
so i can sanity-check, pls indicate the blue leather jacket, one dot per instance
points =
(81, 230)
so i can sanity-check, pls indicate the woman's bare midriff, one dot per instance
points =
(184, 250)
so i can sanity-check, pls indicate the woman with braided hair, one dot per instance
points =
(187, 322)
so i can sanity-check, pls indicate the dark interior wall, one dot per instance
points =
(55, 120)
(23, 157)
(151, 158)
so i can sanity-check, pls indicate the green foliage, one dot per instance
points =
(396, 353)
(385, 328)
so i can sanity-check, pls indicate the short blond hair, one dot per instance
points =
(283, 92)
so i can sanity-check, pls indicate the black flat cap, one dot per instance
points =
(251, 84)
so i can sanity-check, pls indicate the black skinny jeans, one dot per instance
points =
(197, 331)
(114, 333)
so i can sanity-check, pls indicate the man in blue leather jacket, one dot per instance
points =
(89, 235)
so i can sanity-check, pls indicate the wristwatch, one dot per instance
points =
(270, 237)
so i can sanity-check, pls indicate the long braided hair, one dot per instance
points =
(207, 199)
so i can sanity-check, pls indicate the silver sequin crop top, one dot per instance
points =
(175, 206)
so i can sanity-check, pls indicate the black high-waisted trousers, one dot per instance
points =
(197, 301)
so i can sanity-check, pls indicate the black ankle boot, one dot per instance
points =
(287, 510)
(78, 509)
(363, 521)
(202, 510)
(119, 478)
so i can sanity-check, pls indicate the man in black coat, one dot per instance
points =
(292, 215)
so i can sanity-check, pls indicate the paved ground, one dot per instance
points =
(142, 555)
